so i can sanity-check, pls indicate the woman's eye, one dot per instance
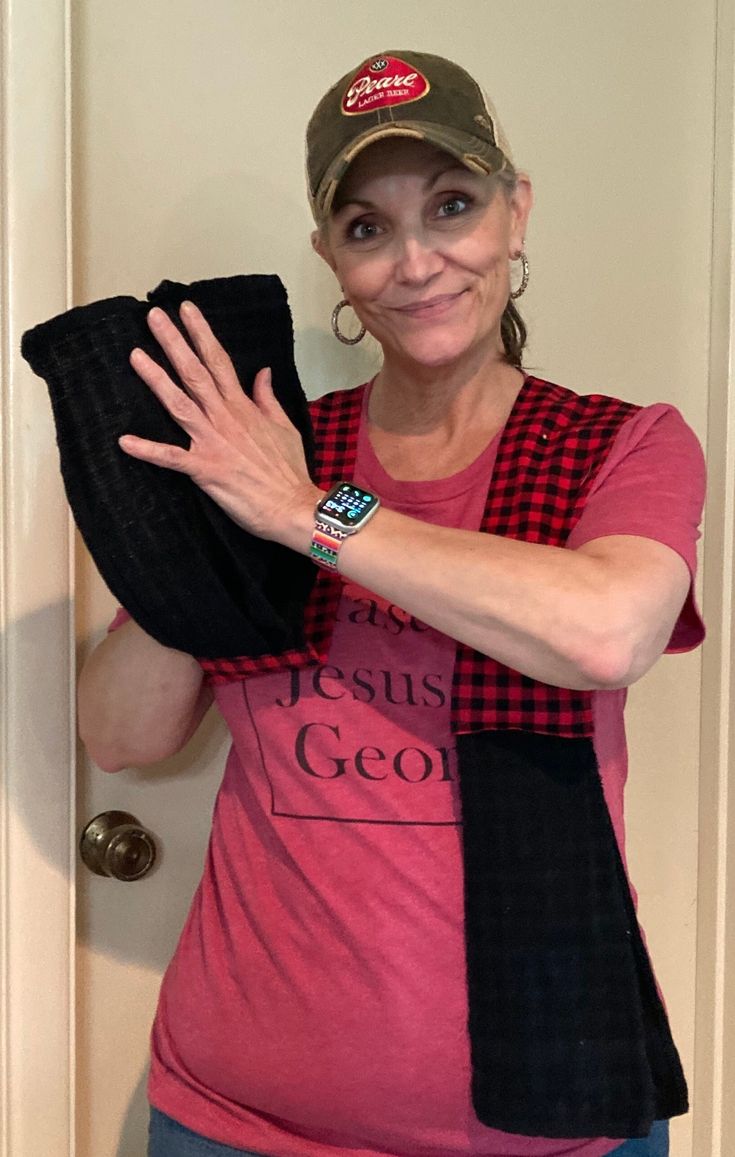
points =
(453, 206)
(363, 230)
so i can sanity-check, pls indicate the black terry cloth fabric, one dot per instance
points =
(568, 1034)
(186, 572)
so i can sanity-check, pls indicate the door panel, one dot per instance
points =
(188, 163)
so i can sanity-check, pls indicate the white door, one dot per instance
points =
(180, 155)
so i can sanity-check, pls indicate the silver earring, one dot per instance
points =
(335, 325)
(524, 275)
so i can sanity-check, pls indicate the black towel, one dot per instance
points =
(186, 572)
(568, 1034)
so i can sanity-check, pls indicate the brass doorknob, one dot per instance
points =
(115, 844)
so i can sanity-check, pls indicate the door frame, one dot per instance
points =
(38, 834)
(714, 1045)
(37, 821)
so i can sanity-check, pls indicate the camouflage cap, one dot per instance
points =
(405, 94)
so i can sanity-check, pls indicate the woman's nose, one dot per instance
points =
(417, 260)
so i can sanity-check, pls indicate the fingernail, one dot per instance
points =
(155, 315)
(187, 307)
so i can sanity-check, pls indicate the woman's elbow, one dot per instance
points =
(618, 658)
(112, 757)
(114, 744)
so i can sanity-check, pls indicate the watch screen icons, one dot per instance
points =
(348, 505)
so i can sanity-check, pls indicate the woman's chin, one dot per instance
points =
(436, 351)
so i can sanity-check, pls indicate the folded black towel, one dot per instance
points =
(569, 1036)
(186, 572)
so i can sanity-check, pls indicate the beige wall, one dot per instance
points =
(188, 123)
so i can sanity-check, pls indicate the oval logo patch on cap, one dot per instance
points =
(385, 82)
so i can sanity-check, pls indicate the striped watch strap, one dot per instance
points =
(325, 543)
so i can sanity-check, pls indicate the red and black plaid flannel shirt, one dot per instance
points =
(553, 444)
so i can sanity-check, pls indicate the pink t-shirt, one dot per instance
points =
(316, 1003)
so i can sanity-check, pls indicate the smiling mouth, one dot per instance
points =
(431, 307)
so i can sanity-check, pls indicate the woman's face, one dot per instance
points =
(421, 248)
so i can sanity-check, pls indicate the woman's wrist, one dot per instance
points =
(299, 526)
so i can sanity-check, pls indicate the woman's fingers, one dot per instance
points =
(207, 371)
(158, 453)
(211, 352)
(266, 400)
(182, 357)
(196, 377)
(180, 406)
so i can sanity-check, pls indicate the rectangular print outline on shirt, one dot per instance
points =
(320, 762)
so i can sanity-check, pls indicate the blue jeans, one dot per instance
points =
(167, 1138)
(656, 1144)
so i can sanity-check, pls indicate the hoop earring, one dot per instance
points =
(335, 325)
(524, 276)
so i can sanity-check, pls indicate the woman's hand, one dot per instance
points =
(245, 453)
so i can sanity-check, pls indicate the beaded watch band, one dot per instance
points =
(325, 543)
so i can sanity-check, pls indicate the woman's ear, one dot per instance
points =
(320, 245)
(521, 204)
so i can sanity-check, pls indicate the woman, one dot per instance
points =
(317, 1003)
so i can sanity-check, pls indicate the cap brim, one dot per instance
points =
(476, 154)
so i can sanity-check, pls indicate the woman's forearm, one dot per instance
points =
(138, 701)
(596, 617)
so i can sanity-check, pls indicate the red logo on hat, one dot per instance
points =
(385, 82)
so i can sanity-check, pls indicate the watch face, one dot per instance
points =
(348, 505)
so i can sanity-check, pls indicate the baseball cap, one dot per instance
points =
(404, 94)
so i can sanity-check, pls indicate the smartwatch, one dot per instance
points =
(342, 512)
